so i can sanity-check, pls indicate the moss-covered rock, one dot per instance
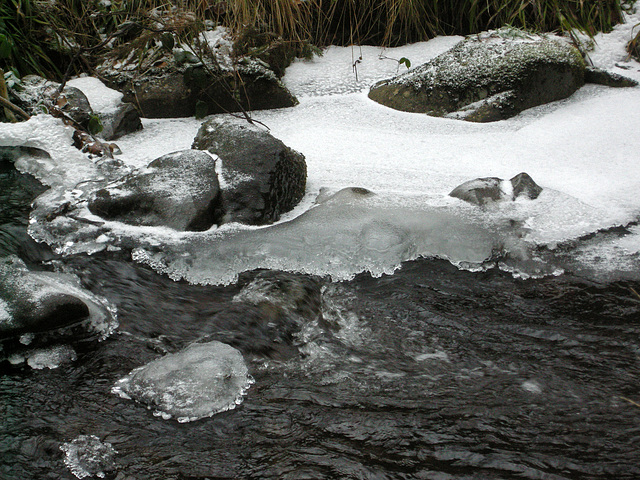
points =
(488, 77)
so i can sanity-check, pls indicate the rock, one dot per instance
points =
(167, 83)
(259, 331)
(198, 382)
(524, 186)
(609, 79)
(267, 313)
(262, 178)
(38, 92)
(295, 293)
(29, 305)
(179, 190)
(488, 77)
(125, 119)
(482, 191)
(38, 308)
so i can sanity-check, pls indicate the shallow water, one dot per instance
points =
(430, 373)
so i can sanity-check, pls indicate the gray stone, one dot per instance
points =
(488, 77)
(38, 92)
(482, 191)
(169, 89)
(524, 186)
(44, 307)
(28, 304)
(125, 119)
(296, 294)
(609, 79)
(262, 178)
(179, 190)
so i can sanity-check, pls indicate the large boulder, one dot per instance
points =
(482, 191)
(262, 178)
(488, 77)
(198, 382)
(179, 190)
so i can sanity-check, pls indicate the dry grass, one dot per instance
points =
(38, 35)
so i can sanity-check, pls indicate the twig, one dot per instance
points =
(631, 401)
(7, 104)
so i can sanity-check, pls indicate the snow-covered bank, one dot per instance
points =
(581, 150)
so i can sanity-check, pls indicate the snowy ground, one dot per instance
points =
(582, 150)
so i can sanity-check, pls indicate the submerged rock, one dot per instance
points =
(488, 77)
(260, 331)
(492, 189)
(262, 178)
(265, 316)
(39, 308)
(295, 293)
(87, 456)
(198, 382)
(179, 190)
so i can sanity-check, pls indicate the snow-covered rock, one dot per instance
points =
(198, 382)
(488, 77)
(178, 190)
(37, 308)
(481, 191)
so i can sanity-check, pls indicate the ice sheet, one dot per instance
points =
(581, 150)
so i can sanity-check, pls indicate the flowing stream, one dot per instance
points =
(432, 372)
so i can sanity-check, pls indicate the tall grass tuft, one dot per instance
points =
(393, 22)
(36, 36)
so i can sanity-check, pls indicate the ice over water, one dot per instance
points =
(198, 382)
(581, 150)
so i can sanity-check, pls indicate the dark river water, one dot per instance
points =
(431, 373)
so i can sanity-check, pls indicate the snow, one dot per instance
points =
(102, 99)
(62, 164)
(582, 150)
